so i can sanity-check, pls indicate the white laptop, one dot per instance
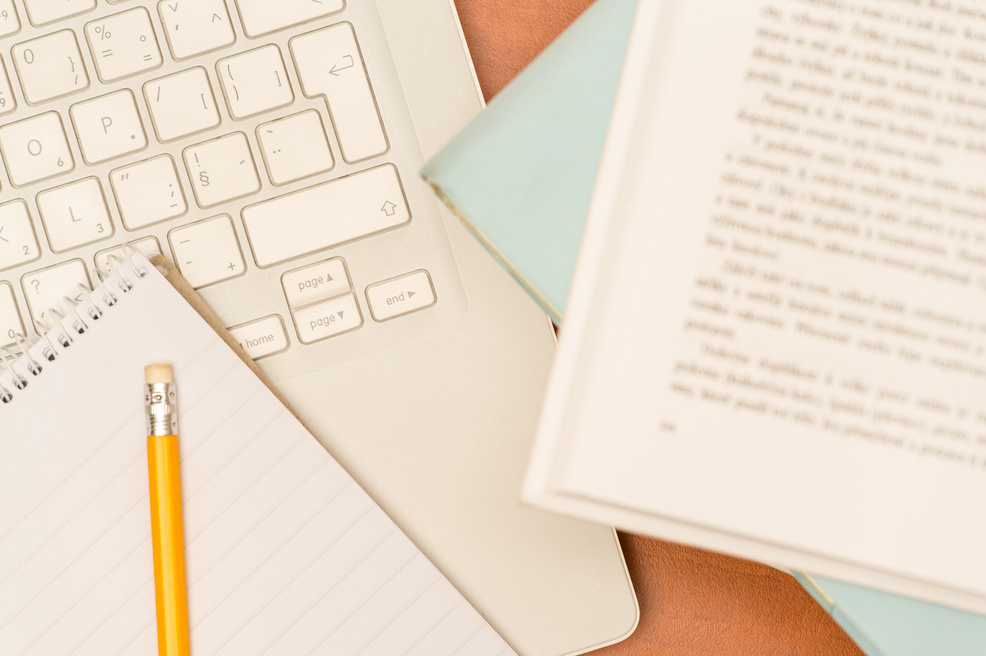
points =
(270, 149)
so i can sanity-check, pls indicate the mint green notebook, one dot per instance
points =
(521, 177)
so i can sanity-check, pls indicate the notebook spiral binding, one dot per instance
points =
(16, 369)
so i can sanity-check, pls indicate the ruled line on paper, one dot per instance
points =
(335, 585)
(233, 412)
(56, 529)
(273, 464)
(199, 485)
(371, 597)
(108, 617)
(25, 606)
(314, 516)
(476, 642)
(458, 650)
(132, 640)
(436, 625)
(287, 584)
(76, 604)
(393, 599)
(397, 616)
(369, 549)
(276, 507)
(96, 451)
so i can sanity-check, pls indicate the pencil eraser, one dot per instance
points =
(158, 373)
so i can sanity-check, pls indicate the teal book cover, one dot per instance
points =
(521, 177)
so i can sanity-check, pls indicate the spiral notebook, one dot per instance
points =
(285, 553)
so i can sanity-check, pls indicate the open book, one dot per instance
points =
(775, 344)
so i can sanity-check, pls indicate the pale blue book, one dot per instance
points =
(521, 177)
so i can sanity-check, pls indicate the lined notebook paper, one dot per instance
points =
(285, 553)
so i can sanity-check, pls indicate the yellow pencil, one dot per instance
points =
(166, 528)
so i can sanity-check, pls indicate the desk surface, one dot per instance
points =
(692, 602)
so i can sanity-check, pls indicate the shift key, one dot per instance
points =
(326, 215)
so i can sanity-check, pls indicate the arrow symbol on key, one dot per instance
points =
(342, 68)
(2, 238)
(389, 208)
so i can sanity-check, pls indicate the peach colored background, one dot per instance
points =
(692, 602)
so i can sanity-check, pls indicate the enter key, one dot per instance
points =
(330, 65)
(399, 296)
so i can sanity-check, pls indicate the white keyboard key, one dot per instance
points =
(295, 147)
(7, 101)
(195, 27)
(108, 126)
(222, 169)
(316, 283)
(400, 296)
(50, 67)
(327, 319)
(42, 12)
(207, 252)
(75, 215)
(329, 64)
(262, 337)
(35, 149)
(18, 243)
(10, 22)
(181, 104)
(148, 192)
(255, 82)
(148, 247)
(10, 317)
(47, 289)
(326, 215)
(123, 44)
(265, 16)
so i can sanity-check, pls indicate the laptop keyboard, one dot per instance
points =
(263, 147)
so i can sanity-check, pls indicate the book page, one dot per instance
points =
(793, 334)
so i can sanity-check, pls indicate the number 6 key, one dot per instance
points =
(35, 149)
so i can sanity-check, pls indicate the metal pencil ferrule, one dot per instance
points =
(160, 410)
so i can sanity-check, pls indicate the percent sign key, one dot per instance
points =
(124, 44)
